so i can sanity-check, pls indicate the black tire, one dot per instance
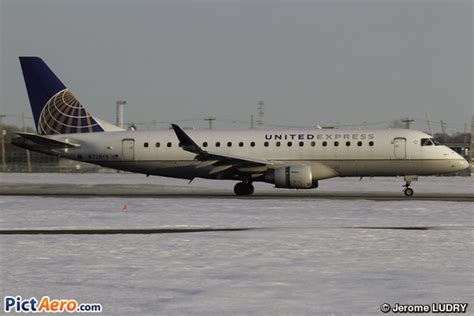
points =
(251, 188)
(408, 192)
(239, 189)
(242, 188)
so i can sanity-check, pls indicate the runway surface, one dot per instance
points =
(163, 191)
(148, 246)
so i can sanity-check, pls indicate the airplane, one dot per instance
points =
(292, 159)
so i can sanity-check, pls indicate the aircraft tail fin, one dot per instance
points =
(55, 109)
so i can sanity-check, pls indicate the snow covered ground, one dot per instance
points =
(305, 257)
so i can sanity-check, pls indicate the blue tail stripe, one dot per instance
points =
(41, 83)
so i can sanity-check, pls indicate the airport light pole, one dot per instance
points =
(471, 148)
(428, 120)
(4, 164)
(210, 119)
(3, 132)
(443, 129)
(261, 113)
(28, 156)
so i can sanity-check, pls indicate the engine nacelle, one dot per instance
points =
(292, 177)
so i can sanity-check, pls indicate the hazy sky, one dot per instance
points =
(310, 61)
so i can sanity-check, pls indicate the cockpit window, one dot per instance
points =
(436, 142)
(430, 142)
(426, 142)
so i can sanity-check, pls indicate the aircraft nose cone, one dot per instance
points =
(464, 164)
(459, 164)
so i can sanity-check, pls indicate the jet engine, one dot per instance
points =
(292, 177)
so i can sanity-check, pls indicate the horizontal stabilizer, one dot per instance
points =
(46, 141)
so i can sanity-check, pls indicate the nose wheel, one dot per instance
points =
(407, 190)
(243, 188)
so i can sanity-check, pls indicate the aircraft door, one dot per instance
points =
(400, 148)
(128, 149)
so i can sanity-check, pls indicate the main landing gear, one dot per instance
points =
(407, 190)
(243, 188)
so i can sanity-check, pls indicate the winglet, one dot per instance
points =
(224, 161)
(186, 142)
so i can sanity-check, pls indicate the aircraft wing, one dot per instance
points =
(220, 161)
(46, 141)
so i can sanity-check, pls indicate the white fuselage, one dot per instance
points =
(329, 152)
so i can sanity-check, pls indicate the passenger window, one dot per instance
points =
(157, 145)
(145, 145)
(348, 144)
(359, 143)
(241, 144)
(265, 144)
(169, 144)
(301, 144)
(252, 144)
(313, 144)
(229, 144)
(218, 144)
(180, 145)
(289, 144)
(325, 144)
(204, 144)
(336, 144)
(371, 143)
(278, 144)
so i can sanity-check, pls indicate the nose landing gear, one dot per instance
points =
(243, 188)
(407, 190)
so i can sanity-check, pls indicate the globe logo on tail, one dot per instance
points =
(63, 114)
